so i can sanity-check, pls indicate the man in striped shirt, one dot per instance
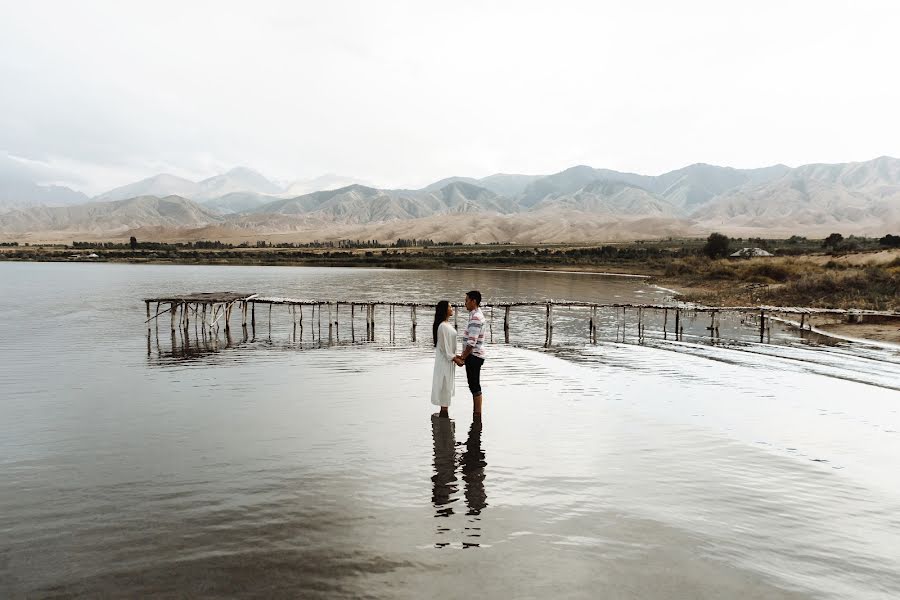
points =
(473, 353)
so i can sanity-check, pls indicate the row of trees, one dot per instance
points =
(837, 241)
(134, 244)
(719, 245)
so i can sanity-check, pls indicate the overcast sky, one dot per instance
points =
(403, 93)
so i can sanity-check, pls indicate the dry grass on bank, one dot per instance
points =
(789, 282)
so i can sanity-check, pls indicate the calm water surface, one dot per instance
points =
(281, 466)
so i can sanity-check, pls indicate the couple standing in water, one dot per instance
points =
(443, 385)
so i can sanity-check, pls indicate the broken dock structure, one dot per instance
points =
(209, 312)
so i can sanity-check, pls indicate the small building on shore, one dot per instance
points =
(749, 253)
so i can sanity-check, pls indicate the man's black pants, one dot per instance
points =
(473, 373)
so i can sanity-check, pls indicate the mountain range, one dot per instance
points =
(581, 203)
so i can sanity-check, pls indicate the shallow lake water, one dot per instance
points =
(282, 465)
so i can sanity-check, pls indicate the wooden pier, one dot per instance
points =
(210, 311)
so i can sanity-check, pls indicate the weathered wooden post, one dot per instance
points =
(319, 320)
(762, 326)
(352, 324)
(491, 325)
(147, 302)
(550, 340)
(677, 324)
(455, 318)
(174, 311)
(547, 325)
(330, 323)
(666, 324)
(414, 323)
(506, 325)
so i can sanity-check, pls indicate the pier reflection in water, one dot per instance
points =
(469, 460)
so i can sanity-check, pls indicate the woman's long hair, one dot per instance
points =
(440, 315)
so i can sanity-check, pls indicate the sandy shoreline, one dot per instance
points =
(884, 330)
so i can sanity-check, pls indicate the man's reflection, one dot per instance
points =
(472, 463)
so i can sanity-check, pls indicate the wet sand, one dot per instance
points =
(882, 332)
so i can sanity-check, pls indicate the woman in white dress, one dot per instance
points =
(443, 383)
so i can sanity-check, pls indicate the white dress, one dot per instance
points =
(443, 383)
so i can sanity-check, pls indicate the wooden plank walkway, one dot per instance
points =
(209, 308)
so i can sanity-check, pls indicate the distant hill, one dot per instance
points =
(21, 187)
(322, 183)
(110, 218)
(507, 185)
(19, 195)
(161, 185)
(239, 179)
(237, 202)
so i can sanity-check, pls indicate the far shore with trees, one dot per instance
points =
(836, 272)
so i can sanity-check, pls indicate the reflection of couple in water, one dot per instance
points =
(471, 462)
(443, 385)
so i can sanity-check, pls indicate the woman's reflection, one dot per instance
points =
(444, 478)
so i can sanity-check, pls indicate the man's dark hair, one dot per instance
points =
(476, 296)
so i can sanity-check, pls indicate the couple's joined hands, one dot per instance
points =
(459, 360)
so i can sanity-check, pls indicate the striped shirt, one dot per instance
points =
(475, 333)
